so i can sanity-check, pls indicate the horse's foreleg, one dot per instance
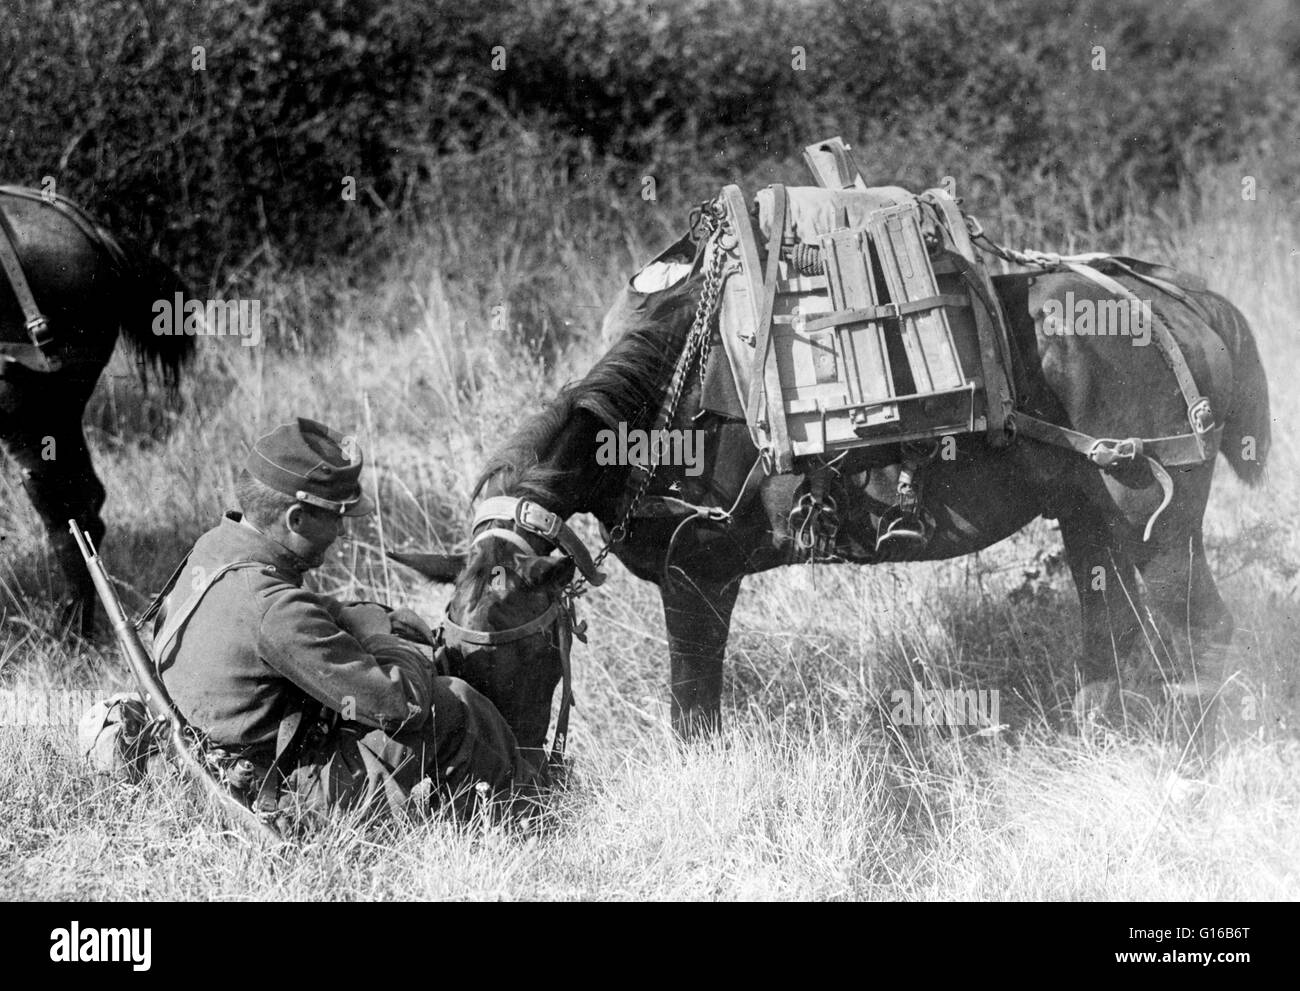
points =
(698, 616)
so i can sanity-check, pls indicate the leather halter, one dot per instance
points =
(537, 519)
(559, 615)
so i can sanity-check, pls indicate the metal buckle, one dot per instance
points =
(527, 513)
(1106, 453)
(37, 329)
(892, 312)
(1201, 416)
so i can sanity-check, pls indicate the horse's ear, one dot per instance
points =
(542, 571)
(436, 567)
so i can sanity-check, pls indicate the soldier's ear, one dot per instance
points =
(436, 567)
(293, 517)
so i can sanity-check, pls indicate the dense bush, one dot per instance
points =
(250, 154)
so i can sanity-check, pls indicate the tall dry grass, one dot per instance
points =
(808, 792)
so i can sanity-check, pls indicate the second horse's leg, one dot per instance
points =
(698, 616)
(61, 482)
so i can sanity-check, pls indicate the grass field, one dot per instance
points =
(806, 794)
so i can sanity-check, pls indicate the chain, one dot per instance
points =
(712, 221)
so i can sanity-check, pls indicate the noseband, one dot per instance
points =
(560, 615)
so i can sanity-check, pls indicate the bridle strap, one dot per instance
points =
(556, 757)
(534, 518)
(537, 519)
(507, 535)
(556, 613)
(492, 637)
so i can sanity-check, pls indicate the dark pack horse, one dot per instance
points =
(67, 288)
(511, 607)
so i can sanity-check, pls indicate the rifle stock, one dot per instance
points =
(159, 702)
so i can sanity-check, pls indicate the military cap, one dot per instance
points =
(312, 463)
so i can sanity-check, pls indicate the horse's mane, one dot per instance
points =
(625, 386)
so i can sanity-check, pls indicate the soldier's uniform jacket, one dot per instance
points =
(258, 642)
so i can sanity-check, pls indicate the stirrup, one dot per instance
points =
(899, 528)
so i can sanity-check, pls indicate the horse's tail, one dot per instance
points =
(146, 279)
(1247, 434)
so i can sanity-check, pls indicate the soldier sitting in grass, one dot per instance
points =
(313, 704)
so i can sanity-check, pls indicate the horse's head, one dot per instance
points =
(510, 623)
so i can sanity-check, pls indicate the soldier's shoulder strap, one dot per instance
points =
(175, 623)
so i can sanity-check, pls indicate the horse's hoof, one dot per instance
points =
(1104, 705)
(1093, 704)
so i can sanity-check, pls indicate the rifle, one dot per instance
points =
(185, 739)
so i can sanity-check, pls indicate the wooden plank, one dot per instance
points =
(866, 372)
(905, 264)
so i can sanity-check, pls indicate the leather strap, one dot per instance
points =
(558, 614)
(538, 519)
(34, 321)
(491, 638)
(763, 386)
(889, 311)
(1199, 413)
(1177, 451)
(78, 217)
(1159, 452)
(995, 352)
(36, 355)
(509, 536)
(174, 623)
(161, 597)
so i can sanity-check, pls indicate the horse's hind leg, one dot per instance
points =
(698, 617)
(1106, 581)
(61, 482)
(1182, 591)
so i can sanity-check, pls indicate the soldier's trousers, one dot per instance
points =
(465, 743)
